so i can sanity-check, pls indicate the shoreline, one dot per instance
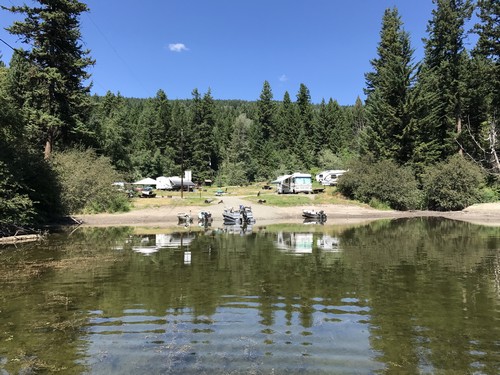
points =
(341, 214)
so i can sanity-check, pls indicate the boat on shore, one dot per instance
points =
(313, 215)
(242, 215)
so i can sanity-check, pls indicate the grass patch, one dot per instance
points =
(253, 193)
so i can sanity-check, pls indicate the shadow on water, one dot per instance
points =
(395, 296)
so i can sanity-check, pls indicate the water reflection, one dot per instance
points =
(404, 296)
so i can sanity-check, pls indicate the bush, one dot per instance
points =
(86, 182)
(16, 208)
(384, 182)
(349, 183)
(452, 185)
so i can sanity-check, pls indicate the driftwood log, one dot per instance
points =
(20, 238)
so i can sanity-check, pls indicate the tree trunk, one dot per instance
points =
(459, 131)
(493, 143)
(48, 145)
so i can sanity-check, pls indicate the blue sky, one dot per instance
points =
(233, 46)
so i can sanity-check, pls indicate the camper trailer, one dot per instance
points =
(294, 183)
(163, 183)
(174, 183)
(331, 178)
(321, 175)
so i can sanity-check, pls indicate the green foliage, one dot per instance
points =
(440, 105)
(408, 122)
(382, 182)
(452, 185)
(328, 160)
(489, 195)
(52, 88)
(16, 208)
(389, 93)
(86, 182)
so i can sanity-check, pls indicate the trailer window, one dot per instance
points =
(302, 180)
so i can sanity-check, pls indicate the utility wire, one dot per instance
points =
(130, 70)
(8, 45)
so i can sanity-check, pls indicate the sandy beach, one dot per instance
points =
(166, 215)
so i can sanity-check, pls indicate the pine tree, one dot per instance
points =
(56, 94)
(357, 123)
(263, 135)
(287, 123)
(304, 147)
(203, 145)
(388, 90)
(178, 142)
(440, 102)
(113, 130)
(487, 76)
(265, 108)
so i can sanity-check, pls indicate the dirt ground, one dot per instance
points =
(166, 216)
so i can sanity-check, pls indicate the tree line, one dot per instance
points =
(416, 115)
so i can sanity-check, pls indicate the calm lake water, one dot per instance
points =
(419, 296)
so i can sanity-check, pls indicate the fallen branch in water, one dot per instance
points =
(21, 238)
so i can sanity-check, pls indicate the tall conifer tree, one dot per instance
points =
(388, 90)
(487, 60)
(56, 95)
(440, 101)
(304, 147)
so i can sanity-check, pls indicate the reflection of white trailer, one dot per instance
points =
(328, 243)
(294, 183)
(174, 240)
(297, 243)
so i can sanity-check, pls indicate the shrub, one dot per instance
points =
(349, 183)
(86, 182)
(16, 208)
(452, 185)
(384, 182)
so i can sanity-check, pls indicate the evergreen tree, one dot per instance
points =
(237, 157)
(266, 112)
(178, 139)
(487, 63)
(304, 148)
(388, 90)
(440, 102)
(263, 133)
(56, 95)
(286, 123)
(203, 145)
(339, 132)
(163, 117)
(114, 132)
(357, 123)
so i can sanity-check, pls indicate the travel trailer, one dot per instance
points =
(173, 183)
(331, 178)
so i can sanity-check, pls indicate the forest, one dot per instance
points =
(425, 137)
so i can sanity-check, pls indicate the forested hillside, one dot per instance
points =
(417, 115)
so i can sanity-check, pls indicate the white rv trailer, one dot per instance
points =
(294, 183)
(331, 178)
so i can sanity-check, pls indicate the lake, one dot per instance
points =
(413, 296)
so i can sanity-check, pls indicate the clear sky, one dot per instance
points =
(233, 46)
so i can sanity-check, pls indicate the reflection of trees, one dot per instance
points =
(430, 285)
(41, 296)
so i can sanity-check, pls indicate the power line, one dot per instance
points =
(130, 70)
(8, 45)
